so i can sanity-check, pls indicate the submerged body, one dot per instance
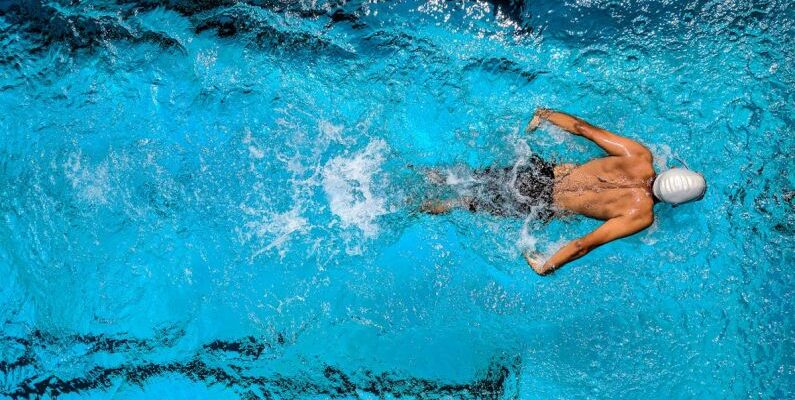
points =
(618, 189)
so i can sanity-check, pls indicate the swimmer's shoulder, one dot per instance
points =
(640, 166)
(638, 218)
(643, 206)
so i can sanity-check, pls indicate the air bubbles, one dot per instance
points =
(634, 57)
(761, 64)
(640, 24)
(688, 17)
(255, 149)
(744, 116)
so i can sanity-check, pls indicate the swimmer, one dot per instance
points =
(620, 189)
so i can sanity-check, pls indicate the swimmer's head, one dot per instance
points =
(679, 185)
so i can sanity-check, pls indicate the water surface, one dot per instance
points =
(212, 200)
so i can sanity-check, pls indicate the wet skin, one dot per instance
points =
(616, 189)
(605, 188)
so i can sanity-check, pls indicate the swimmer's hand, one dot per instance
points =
(536, 262)
(538, 116)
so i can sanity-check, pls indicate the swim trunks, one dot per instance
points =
(517, 191)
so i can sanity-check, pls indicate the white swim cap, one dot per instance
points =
(679, 185)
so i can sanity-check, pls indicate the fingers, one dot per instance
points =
(536, 262)
(533, 259)
(539, 115)
(543, 112)
(533, 124)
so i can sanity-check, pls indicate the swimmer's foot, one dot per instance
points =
(435, 207)
(432, 175)
(444, 206)
(435, 177)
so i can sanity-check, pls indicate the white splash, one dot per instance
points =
(348, 183)
(254, 147)
(521, 150)
(527, 241)
(650, 238)
(458, 177)
(91, 183)
(557, 134)
(553, 247)
(274, 228)
(332, 132)
(662, 153)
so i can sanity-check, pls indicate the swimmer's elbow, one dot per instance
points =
(581, 248)
(638, 220)
(645, 221)
(580, 128)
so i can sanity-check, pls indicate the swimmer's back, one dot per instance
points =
(606, 187)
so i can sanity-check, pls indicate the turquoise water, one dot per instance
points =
(212, 200)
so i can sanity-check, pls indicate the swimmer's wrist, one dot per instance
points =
(539, 115)
(549, 268)
(544, 113)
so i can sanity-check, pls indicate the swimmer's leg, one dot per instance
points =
(432, 175)
(436, 207)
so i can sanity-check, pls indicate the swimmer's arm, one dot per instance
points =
(613, 229)
(613, 144)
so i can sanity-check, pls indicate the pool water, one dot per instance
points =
(217, 199)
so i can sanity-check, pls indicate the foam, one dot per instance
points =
(662, 153)
(254, 147)
(275, 228)
(457, 177)
(331, 131)
(91, 183)
(650, 238)
(348, 184)
(527, 241)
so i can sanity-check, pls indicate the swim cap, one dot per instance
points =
(679, 185)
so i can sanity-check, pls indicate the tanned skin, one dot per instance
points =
(616, 189)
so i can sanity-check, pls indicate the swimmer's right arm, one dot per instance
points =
(559, 119)
(609, 231)
(613, 144)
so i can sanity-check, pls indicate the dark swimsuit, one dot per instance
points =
(518, 191)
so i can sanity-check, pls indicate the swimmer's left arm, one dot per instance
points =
(610, 142)
(613, 229)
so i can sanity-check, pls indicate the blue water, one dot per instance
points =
(212, 200)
